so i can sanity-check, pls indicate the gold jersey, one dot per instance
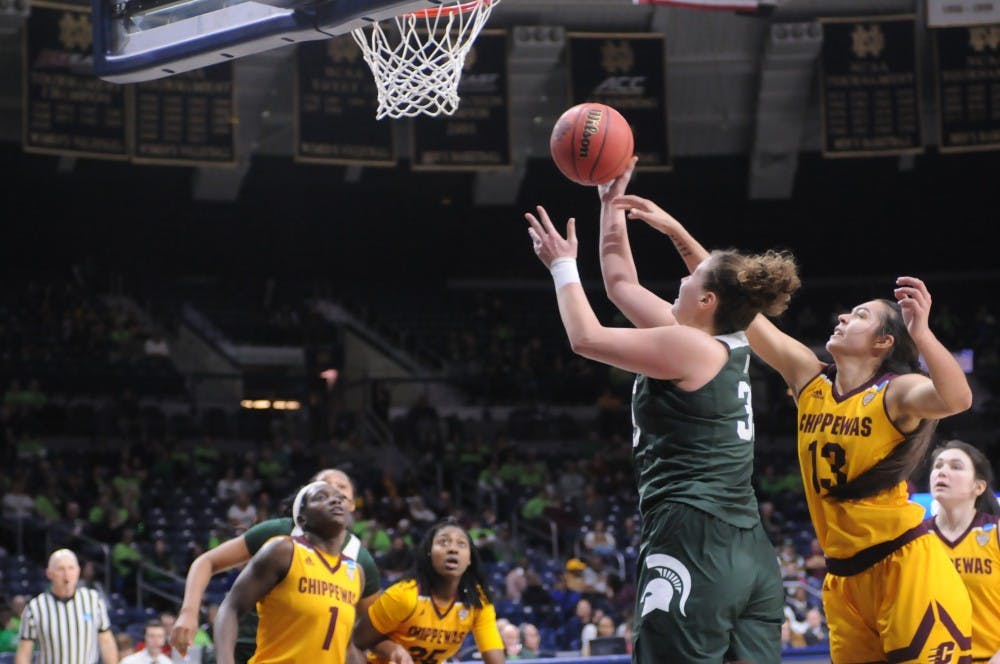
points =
(431, 633)
(976, 555)
(309, 615)
(840, 437)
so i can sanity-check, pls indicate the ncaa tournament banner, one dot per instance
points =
(869, 85)
(188, 119)
(477, 136)
(625, 71)
(968, 86)
(335, 104)
(67, 109)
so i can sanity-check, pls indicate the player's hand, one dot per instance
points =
(637, 207)
(995, 659)
(915, 303)
(616, 187)
(182, 635)
(400, 656)
(546, 240)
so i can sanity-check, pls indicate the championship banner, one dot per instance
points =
(626, 72)
(477, 136)
(870, 87)
(67, 109)
(188, 119)
(335, 103)
(968, 83)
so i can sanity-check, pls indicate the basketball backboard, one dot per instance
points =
(141, 40)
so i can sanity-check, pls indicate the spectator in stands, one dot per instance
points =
(789, 637)
(125, 560)
(772, 520)
(249, 483)
(422, 515)
(17, 502)
(572, 629)
(88, 579)
(592, 504)
(571, 482)
(817, 633)
(154, 640)
(484, 536)
(601, 626)
(792, 564)
(69, 625)
(397, 560)
(126, 645)
(8, 635)
(68, 531)
(515, 580)
(229, 486)
(798, 601)
(535, 594)
(511, 638)
(17, 604)
(598, 540)
(241, 514)
(815, 564)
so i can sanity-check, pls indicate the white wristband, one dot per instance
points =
(564, 271)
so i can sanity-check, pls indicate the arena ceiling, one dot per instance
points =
(737, 84)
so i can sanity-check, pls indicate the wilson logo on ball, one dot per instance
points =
(590, 127)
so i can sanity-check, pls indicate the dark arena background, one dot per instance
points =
(179, 324)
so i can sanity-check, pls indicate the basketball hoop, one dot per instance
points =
(418, 67)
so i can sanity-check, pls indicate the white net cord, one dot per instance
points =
(417, 67)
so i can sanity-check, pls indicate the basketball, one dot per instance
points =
(591, 143)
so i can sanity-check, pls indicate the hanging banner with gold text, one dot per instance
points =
(870, 87)
(477, 136)
(968, 83)
(335, 104)
(627, 72)
(188, 119)
(67, 109)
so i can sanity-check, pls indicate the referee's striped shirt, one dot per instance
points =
(65, 630)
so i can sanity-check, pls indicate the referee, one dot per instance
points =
(69, 625)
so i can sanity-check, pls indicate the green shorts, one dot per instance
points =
(707, 591)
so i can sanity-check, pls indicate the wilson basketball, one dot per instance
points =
(591, 143)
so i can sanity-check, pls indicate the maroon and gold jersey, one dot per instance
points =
(431, 633)
(840, 437)
(976, 555)
(309, 615)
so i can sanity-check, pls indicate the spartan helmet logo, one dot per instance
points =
(659, 591)
(867, 42)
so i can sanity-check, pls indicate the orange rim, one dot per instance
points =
(450, 10)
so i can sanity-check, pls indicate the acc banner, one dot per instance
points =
(968, 80)
(67, 109)
(188, 119)
(870, 87)
(627, 72)
(335, 103)
(477, 135)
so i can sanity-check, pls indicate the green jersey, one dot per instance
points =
(697, 447)
(256, 536)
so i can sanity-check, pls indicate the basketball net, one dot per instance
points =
(417, 66)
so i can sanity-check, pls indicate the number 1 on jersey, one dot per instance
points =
(334, 610)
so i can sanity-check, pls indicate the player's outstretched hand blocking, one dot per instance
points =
(610, 190)
(914, 302)
(546, 240)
